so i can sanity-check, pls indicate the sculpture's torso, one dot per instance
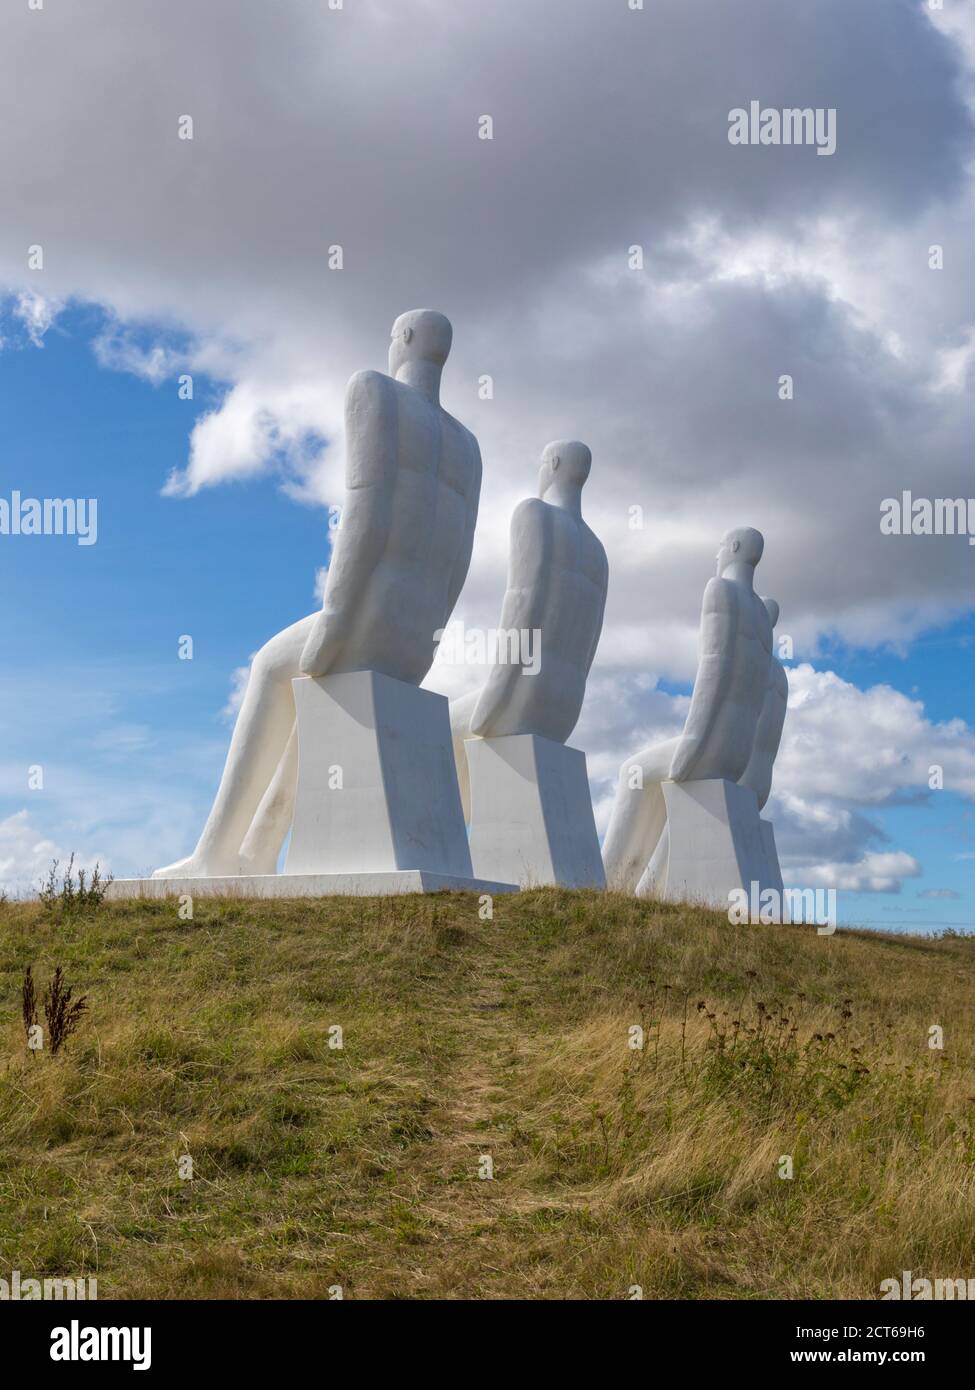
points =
(430, 468)
(737, 642)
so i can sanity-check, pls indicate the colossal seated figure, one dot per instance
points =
(401, 554)
(729, 694)
(526, 796)
(557, 582)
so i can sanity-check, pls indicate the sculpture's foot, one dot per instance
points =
(196, 866)
(265, 862)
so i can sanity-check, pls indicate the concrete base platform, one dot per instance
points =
(773, 872)
(377, 785)
(713, 845)
(304, 886)
(531, 813)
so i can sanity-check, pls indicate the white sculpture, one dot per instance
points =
(715, 747)
(401, 554)
(526, 796)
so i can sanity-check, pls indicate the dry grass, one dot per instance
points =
(358, 1167)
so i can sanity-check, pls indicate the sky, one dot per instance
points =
(211, 258)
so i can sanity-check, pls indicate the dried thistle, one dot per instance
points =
(62, 1016)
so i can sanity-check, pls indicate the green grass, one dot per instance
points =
(315, 1166)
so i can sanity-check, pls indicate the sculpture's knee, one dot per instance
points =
(273, 665)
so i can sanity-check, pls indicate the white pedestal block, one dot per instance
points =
(302, 886)
(773, 878)
(714, 844)
(531, 813)
(773, 873)
(377, 785)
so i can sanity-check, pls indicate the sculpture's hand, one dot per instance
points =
(688, 751)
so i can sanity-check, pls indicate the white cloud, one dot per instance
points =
(36, 313)
(874, 873)
(239, 677)
(258, 426)
(27, 854)
(867, 745)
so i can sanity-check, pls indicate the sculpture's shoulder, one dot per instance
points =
(530, 515)
(369, 382)
(367, 387)
(780, 679)
(530, 529)
(370, 398)
(721, 596)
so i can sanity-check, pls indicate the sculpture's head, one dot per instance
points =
(565, 462)
(742, 546)
(772, 609)
(421, 335)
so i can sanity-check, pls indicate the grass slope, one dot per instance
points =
(315, 1166)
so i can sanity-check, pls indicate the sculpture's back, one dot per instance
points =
(433, 485)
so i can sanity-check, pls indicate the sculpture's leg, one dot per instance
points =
(654, 878)
(262, 843)
(261, 733)
(461, 711)
(638, 817)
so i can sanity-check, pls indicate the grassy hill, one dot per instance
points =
(315, 1166)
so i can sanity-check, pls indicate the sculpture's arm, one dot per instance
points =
(779, 696)
(529, 565)
(598, 628)
(719, 620)
(462, 563)
(370, 471)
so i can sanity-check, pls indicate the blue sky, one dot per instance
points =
(93, 685)
(210, 256)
